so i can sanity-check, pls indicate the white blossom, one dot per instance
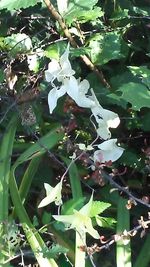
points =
(108, 151)
(59, 69)
(77, 90)
(54, 95)
(53, 194)
(80, 220)
(105, 118)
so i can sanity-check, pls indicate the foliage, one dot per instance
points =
(61, 98)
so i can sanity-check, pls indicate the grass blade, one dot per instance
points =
(33, 237)
(144, 257)
(123, 249)
(5, 162)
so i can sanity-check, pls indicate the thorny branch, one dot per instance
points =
(85, 59)
(117, 237)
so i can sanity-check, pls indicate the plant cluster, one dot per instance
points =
(74, 117)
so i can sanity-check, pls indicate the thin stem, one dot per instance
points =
(123, 189)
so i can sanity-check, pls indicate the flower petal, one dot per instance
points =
(53, 96)
(108, 145)
(66, 69)
(77, 91)
(53, 70)
(103, 130)
(109, 151)
(53, 194)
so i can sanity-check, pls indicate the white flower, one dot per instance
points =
(53, 194)
(80, 220)
(105, 118)
(77, 90)
(59, 69)
(109, 151)
(53, 96)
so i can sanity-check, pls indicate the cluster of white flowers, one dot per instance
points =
(78, 89)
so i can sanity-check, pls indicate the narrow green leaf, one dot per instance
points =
(33, 237)
(28, 177)
(40, 147)
(123, 253)
(5, 161)
(143, 258)
(74, 179)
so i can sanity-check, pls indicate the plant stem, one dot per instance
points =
(80, 254)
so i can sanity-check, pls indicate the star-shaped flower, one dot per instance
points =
(53, 194)
(80, 220)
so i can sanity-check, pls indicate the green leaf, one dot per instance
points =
(55, 50)
(82, 11)
(145, 122)
(107, 47)
(120, 14)
(76, 52)
(17, 4)
(5, 163)
(105, 222)
(98, 207)
(137, 94)
(18, 43)
(72, 204)
(142, 72)
(131, 159)
(54, 251)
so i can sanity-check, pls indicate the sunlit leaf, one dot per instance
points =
(17, 4)
(82, 11)
(107, 47)
(137, 94)
(98, 207)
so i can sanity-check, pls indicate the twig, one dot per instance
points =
(85, 59)
(115, 238)
(123, 189)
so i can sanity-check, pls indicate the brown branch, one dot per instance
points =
(64, 27)
(117, 237)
